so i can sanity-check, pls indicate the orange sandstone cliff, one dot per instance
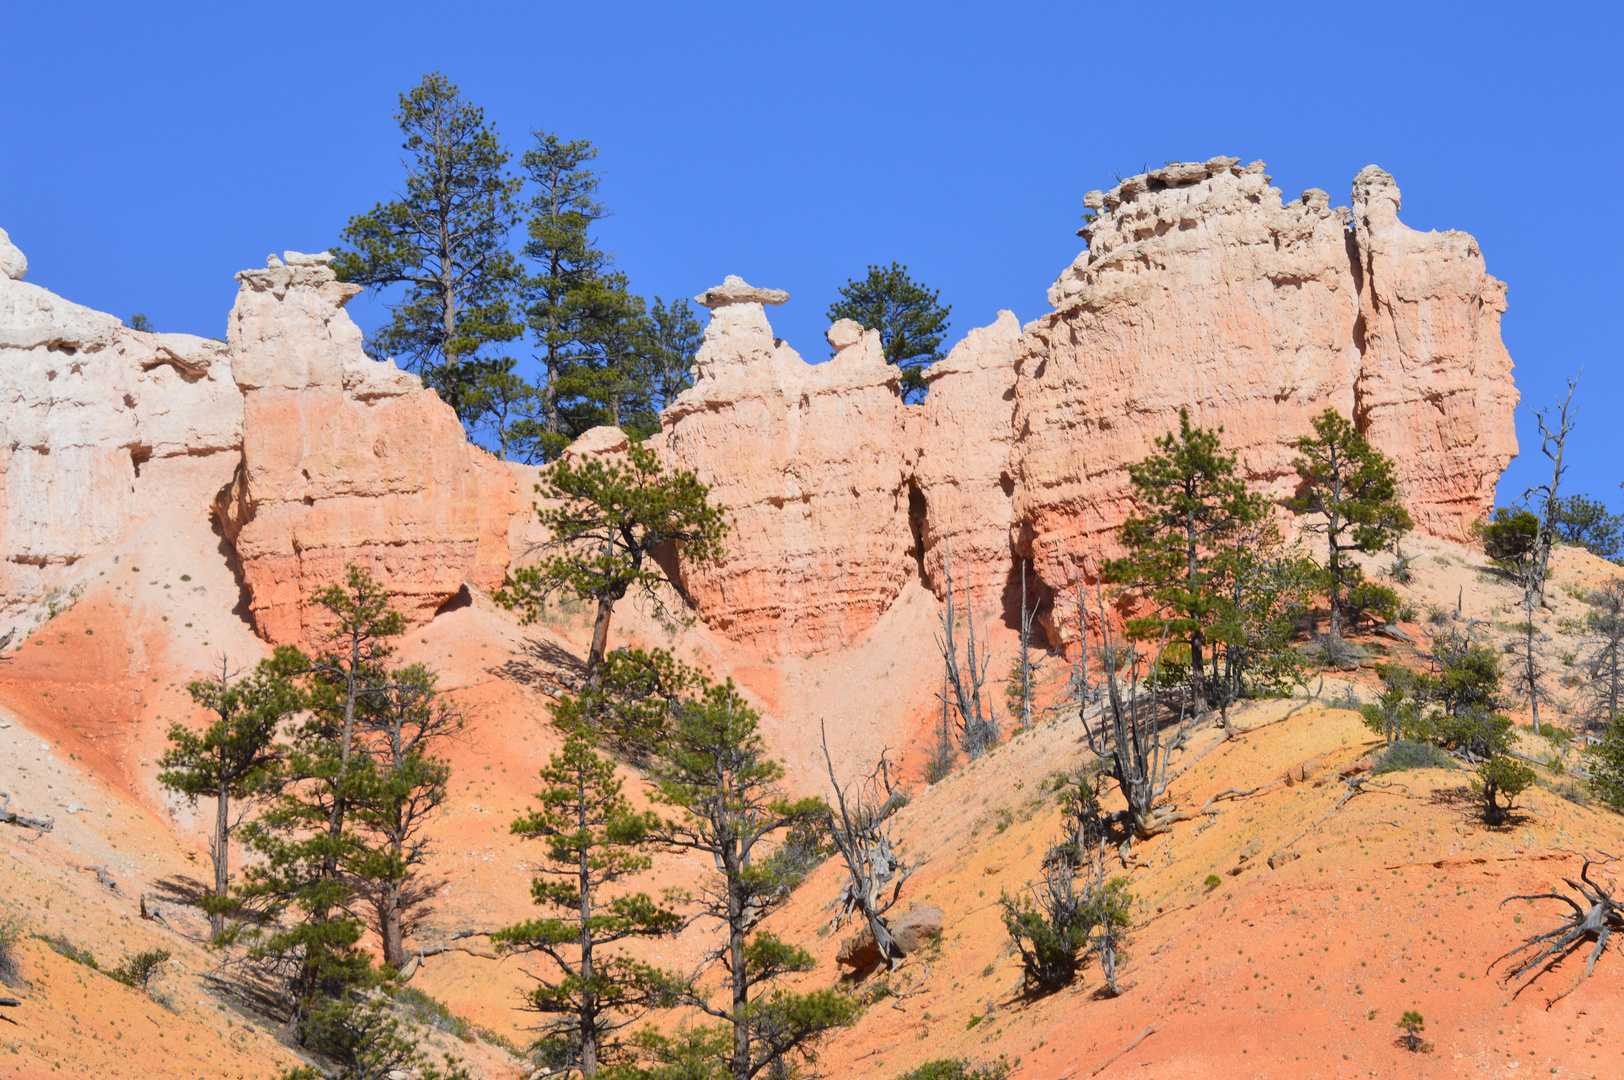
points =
(1200, 288)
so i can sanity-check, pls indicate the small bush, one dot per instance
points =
(957, 1069)
(137, 970)
(1438, 616)
(430, 1012)
(1412, 1025)
(1573, 791)
(65, 947)
(1501, 776)
(1212, 882)
(11, 932)
(1405, 754)
(1371, 601)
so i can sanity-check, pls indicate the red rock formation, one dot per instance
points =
(1434, 390)
(348, 460)
(963, 482)
(1201, 289)
(811, 462)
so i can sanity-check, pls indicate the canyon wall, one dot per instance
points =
(347, 460)
(1200, 288)
(101, 427)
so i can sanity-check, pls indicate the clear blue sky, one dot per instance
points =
(148, 151)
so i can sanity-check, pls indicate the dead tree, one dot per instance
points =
(859, 825)
(1527, 673)
(1021, 675)
(11, 817)
(977, 726)
(1596, 919)
(1603, 694)
(1131, 741)
(1553, 443)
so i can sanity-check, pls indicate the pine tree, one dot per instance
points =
(909, 316)
(568, 265)
(1180, 543)
(606, 518)
(594, 841)
(674, 339)
(1349, 485)
(235, 757)
(715, 773)
(310, 839)
(446, 241)
(400, 727)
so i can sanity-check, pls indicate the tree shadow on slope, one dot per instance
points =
(1467, 807)
(542, 665)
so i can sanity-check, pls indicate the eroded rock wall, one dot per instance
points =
(100, 427)
(348, 460)
(811, 462)
(1202, 289)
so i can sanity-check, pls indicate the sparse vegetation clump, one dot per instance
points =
(1405, 754)
(957, 1069)
(138, 969)
(1412, 1024)
(12, 929)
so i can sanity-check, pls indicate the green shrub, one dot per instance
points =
(1406, 754)
(957, 1069)
(65, 947)
(1501, 776)
(1607, 766)
(11, 932)
(1367, 600)
(137, 970)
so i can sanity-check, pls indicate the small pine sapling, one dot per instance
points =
(1412, 1024)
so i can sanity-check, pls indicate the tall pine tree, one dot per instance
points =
(594, 840)
(446, 240)
(1348, 485)
(909, 316)
(1180, 549)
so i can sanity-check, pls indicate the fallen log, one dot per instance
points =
(11, 817)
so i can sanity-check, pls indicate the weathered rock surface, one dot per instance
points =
(348, 460)
(811, 463)
(963, 483)
(911, 931)
(100, 427)
(1202, 289)
(1434, 390)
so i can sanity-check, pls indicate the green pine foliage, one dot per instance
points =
(446, 241)
(593, 841)
(956, 1069)
(1181, 545)
(1052, 927)
(1348, 487)
(1586, 523)
(1501, 777)
(606, 520)
(341, 843)
(1510, 539)
(1397, 713)
(724, 793)
(235, 757)
(909, 316)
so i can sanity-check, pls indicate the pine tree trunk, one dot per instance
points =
(600, 639)
(390, 928)
(740, 1064)
(222, 869)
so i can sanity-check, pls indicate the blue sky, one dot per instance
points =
(149, 151)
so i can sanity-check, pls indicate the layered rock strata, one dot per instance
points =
(101, 427)
(1202, 289)
(348, 460)
(811, 463)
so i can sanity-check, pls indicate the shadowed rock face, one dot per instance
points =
(1200, 289)
(347, 460)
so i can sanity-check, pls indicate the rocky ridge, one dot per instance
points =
(1200, 288)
